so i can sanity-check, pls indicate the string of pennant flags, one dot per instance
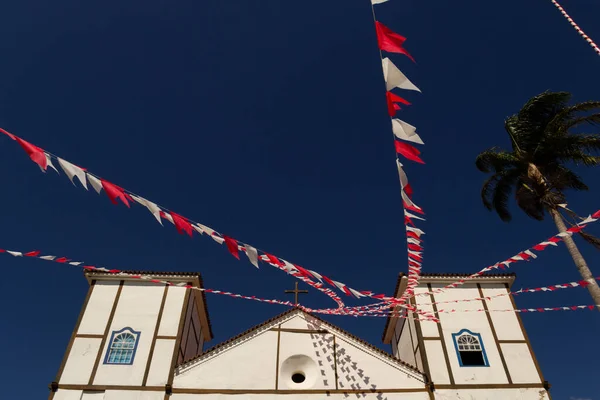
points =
(577, 28)
(404, 136)
(149, 278)
(184, 225)
(525, 255)
(370, 313)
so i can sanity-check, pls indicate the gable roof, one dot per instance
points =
(289, 313)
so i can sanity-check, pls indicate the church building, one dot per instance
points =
(138, 340)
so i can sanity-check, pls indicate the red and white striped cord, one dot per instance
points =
(577, 28)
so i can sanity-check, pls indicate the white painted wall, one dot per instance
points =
(476, 322)
(520, 364)
(340, 396)
(137, 308)
(92, 395)
(405, 347)
(80, 361)
(437, 362)
(98, 308)
(248, 364)
(370, 369)
(319, 371)
(492, 394)
(428, 328)
(62, 394)
(133, 395)
(161, 362)
(169, 322)
(506, 324)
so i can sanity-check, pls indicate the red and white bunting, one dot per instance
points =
(577, 28)
(524, 255)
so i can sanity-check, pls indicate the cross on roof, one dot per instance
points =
(296, 292)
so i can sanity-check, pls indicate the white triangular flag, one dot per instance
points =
(49, 163)
(153, 208)
(316, 275)
(402, 174)
(394, 78)
(252, 254)
(15, 253)
(95, 182)
(289, 267)
(198, 229)
(73, 170)
(217, 239)
(405, 131)
(206, 229)
(49, 258)
(409, 215)
(588, 220)
(378, 1)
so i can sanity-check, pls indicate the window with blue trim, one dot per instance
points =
(122, 347)
(469, 349)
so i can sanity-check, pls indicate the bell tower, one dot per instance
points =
(131, 333)
(472, 349)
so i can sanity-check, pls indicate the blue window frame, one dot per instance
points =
(469, 349)
(122, 347)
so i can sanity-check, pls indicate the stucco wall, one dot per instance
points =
(80, 361)
(137, 308)
(247, 365)
(98, 308)
(492, 394)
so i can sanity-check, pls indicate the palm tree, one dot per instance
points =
(544, 146)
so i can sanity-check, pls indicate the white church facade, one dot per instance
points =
(144, 341)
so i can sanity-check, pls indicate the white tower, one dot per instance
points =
(482, 354)
(130, 335)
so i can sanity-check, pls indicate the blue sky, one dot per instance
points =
(267, 121)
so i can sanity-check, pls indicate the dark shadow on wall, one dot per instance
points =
(349, 375)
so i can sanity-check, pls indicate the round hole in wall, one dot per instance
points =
(298, 377)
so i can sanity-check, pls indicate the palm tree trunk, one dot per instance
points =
(580, 263)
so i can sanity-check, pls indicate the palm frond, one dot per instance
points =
(495, 160)
(529, 201)
(501, 193)
(594, 241)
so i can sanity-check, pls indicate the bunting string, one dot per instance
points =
(525, 255)
(577, 28)
(403, 132)
(187, 226)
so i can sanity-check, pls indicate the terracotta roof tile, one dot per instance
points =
(288, 312)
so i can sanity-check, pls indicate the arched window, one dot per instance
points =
(122, 347)
(469, 349)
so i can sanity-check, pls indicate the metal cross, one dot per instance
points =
(296, 292)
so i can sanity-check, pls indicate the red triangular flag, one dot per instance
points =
(274, 260)
(414, 247)
(182, 224)
(232, 246)
(539, 247)
(10, 135)
(391, 100)
(36, 154)
(408, 151)
(32, 253)
(390, 41)
(62, 260)
(114, 192)
(596, 214)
